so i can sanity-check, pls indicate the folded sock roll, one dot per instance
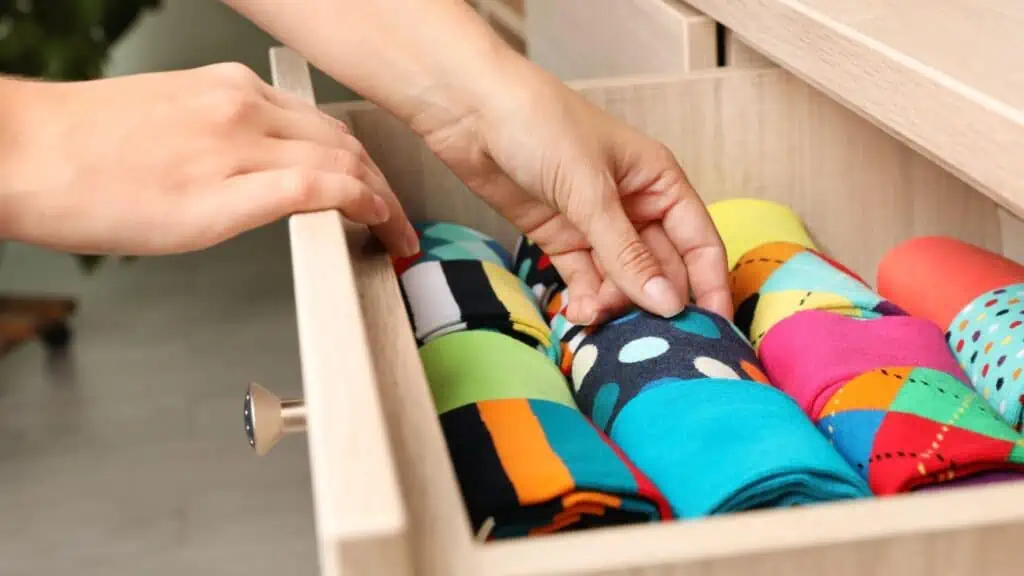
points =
(472, 366)
(780, 279)
(449, 296)
(564, 334)
(446, 241)
(935, 277)
(881, 385)
(534, 268)
(686, 401)
(526, 458)
(977, 297)
(987, 337)
(834, 349)
(746, 223)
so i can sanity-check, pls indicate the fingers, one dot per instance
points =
(255, 199)
(298, 122)
(613, 301)
(396, 233)
(689, 227)
(628, 260)
(580, 275)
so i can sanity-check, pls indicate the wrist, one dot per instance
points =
(464, 87)
(466, 110)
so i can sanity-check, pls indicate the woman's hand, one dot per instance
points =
(611, 207)
(177, 161)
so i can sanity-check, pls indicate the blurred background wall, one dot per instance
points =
(190, 33)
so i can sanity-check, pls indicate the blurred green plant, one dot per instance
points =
(65, 40)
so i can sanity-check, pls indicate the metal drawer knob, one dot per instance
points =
(268, 418)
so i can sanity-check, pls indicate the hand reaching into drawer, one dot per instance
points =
(611, 206)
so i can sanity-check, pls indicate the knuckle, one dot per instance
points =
(664, 154)
(300, 185)
(343, 161)
(634, 257)
(234, 73)
(232, 106)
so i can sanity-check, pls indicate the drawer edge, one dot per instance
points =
(358, 507)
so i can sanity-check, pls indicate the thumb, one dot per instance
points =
(627, 260)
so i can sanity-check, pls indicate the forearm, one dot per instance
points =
(12, 123)
(429, 62)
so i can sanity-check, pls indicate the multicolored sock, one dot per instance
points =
(777, 280)
(476, 365)
(988, 339)
(527, 460)
(891, 398)
(450, 296)
(534, 268)
(564, 334)
(447, 241)
(686, 400)
(881, 385)
(977, 296)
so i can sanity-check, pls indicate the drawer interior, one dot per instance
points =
(737, 133)
(758, 133)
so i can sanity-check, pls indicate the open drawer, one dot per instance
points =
(386, 498)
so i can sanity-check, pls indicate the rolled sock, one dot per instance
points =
(935, 277)
(975, 296)
(527, 460)
(746, 223)
(468, 367)
(987, 337)
(564, 334)
(832, 349)
(446, 241)
(534, 268)
(881, 385)
(449, 296)
(686, 401)
(777, 280)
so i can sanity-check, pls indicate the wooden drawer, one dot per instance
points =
(386, 499)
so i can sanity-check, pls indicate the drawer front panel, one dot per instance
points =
(577, 39)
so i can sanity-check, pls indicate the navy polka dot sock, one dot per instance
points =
(686, 400)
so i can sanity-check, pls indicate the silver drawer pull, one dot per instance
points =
(268, 418)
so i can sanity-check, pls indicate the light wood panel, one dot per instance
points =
(944, 76)
(360, 517)
(738, 132)
(740, 55)
(577, 39)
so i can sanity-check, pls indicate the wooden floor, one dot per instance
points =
(129, 457)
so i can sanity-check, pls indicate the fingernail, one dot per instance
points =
(412, 241)
(587, 310)
(380, 210)
(663, 297)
